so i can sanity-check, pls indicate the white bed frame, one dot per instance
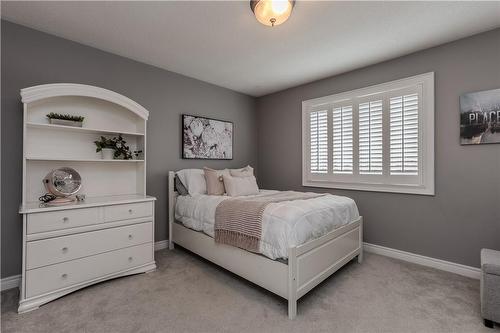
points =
(308, 264)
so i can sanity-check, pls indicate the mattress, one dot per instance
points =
(284, 224)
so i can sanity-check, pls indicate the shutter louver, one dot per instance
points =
(370, 138)
(319, 141)
(404, 135)
(342, 140)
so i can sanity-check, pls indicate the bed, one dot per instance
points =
(287, 266)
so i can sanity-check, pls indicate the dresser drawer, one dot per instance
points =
(128, 211)
(55, 250)
(62, 219)
(54, 277)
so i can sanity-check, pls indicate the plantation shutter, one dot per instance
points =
(370, 138)
(404, 150)
(342, 139)
(319, 141)
(378, 138)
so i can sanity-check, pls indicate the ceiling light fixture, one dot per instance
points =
(272, 12)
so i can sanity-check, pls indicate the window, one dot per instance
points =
(379, 138)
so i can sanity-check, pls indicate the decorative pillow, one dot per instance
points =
(179, 186)
(193, 180)
(215, 181)
(236, 186)
(243, 172)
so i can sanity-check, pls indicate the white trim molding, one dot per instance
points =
(468, 271)
(443, 265)
(14, 281)
(336, 151)
(43, 91)
(161, 245)
(11, 282)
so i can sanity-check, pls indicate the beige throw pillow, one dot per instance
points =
(215, 182)
(243, 172)
(237, 186)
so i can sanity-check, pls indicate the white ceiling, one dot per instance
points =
(222, 43)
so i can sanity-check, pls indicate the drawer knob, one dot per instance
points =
(130, 259)
(130, 236)
(65, 219)
(64, 249)
(130, 211)
(64, 276)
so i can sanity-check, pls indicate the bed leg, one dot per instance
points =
(292, 282)
(292, 308)
(170, 244)
(360, 256)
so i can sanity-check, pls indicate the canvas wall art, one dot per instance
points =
(206, 138)
(480, 117)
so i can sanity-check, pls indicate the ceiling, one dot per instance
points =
(222, 43)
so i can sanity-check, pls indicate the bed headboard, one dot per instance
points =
(172, 196)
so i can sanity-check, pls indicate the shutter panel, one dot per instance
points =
(319, 141)
(342, 139)
(404, 135)
(370, 138)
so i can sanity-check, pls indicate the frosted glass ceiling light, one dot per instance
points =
(272, 12)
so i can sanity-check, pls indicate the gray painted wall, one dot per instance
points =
(30, 57)
(464, 216)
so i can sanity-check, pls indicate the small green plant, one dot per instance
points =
(60, 116)
(122, 151)
(104, 143)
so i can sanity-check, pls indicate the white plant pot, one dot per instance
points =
(107, 153)
(63, 122)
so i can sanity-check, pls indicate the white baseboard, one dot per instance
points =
(14, 281)
(472, 272)
(161, 245)
(448, 266)
(11, 282)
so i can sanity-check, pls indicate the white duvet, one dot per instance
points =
(284, 224)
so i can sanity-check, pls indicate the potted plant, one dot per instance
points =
(122, 151)
(106, 147)
(65, 119)
(115, 148)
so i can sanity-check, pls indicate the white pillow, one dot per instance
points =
(243, 172)
(193, 180)
(236, 186)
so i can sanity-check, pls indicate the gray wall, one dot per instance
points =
(30, 58)
(453, 225)
(464, 215)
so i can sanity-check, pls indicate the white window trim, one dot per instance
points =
(425, 185)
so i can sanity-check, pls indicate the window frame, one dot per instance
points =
(422, 184)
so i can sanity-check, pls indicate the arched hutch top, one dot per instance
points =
(40, 92)
(48, 146)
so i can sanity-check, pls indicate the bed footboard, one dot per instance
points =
(311, 263)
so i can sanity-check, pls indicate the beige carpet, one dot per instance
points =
(189, 294)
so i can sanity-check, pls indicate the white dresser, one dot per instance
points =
(66, 249)
(111, 233)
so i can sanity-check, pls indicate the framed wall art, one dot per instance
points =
(480, 117)
(206, 138)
